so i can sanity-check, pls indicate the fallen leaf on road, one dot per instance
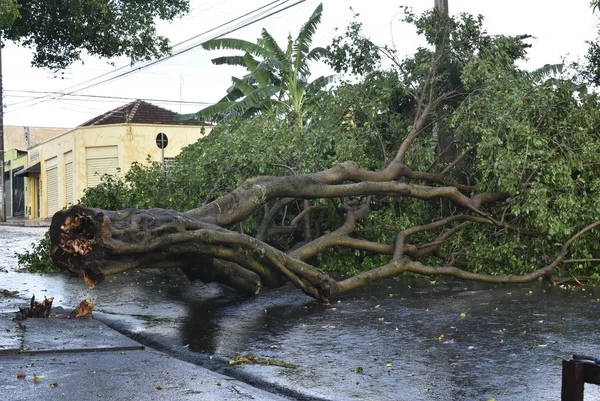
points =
(248, 358)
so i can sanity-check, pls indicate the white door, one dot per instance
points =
(99, 161)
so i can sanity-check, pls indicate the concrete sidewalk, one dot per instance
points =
(83, 359)
(23, 222)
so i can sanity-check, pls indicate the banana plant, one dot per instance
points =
(276, 79)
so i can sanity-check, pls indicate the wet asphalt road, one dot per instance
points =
(407, 339)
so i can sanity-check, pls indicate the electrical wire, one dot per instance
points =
(43, 99)
(185, 50)
(263, 15)
(175, 45)
(101, 97)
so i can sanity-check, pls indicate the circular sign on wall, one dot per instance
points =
(161, 140)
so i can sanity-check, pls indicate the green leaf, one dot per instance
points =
(235, 44)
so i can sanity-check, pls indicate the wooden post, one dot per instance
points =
(572, 381)
(575, 374)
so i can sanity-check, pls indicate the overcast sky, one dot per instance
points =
(189, 82)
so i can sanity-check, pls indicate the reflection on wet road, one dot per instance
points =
(404, 339)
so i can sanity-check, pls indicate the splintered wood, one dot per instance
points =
(74, 237)
(84, 309)
(36, 309)
(43, 310)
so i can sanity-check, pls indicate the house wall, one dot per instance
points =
(134, 142)
(49, 153)
(21, 137)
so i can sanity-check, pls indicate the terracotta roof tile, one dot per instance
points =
(138, 112)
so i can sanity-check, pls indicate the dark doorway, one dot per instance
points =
(18, 193)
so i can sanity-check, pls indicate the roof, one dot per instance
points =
(33, 169)
(138, 112)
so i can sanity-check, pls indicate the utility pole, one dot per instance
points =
(442, 6)
(2, 186)
(446, 150)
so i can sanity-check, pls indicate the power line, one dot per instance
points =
(100, 97)
(265, 14)
(185, 50)
(44, 99)
(233, 20)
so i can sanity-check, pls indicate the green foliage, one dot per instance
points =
(530, 134)
(277, 79)
(60, 30)
(533, 136)
(237, 150)
(38, 259)
(352, 52)
(111, 194)
(9, 12)
(537, 142)
(590, 68)
(144, 186)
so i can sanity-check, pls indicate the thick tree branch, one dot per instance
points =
(269, 215)
(459, 159)
(418, 126)
(305, 212)
(331, 239)
(401, 265)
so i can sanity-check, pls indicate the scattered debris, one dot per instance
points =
(8, 294)
(36, 309)
(248, 358)
(43, 310)
(84, 310)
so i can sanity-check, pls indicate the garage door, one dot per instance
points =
(52, 188)
(69, 177)
(99, 161)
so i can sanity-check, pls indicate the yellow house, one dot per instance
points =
(17, 139)
(61, 168)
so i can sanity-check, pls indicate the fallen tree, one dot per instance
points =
(97, 243)
(521, 192)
